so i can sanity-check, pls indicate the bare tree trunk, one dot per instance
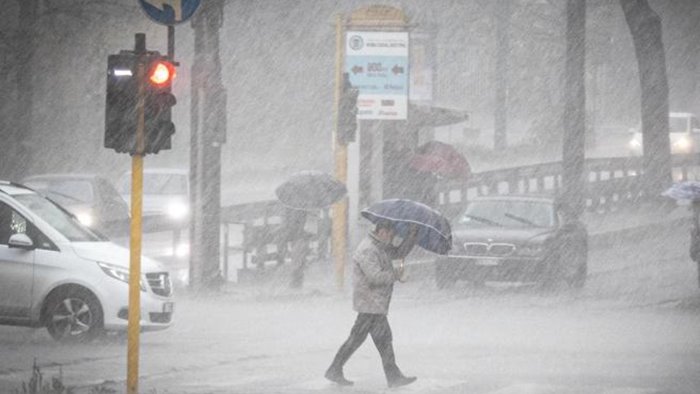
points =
(500, 113)
(208, 131)
(18, 150)
(573, 149)
(645, 27)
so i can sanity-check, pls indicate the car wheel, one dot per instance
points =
(73, 315)
(444, 278)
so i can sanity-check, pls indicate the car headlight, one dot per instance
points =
(86, 218)
(182, 250)
(119, 273)
(683, 144)
(635, 143)
(177, 210)
(530, 250)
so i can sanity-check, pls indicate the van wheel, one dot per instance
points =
(73, 315)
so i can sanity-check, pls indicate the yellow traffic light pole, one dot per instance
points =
(339, 243)
(134, 327)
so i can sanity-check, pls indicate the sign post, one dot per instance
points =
(134, 315)
(372, 48)
(165, 12)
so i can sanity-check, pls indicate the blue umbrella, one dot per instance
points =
(688, 190)
(434, 232)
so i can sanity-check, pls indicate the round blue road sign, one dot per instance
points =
(169, 12)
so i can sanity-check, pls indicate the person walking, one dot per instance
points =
(295, 242)
(373, 284)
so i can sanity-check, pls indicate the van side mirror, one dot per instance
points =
(20, 241)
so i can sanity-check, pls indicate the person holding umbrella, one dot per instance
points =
(302, 193)
(373, 283)
(374, 277)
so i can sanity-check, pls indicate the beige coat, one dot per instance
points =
(373, 276)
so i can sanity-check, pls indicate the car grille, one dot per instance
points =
(160, 283)
(488, 249)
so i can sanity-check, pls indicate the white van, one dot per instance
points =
(59, 274)
(684, 134)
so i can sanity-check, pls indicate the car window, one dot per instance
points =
(58, 218)
(694, 123)
(159, 184)
(11, 223)
(107, 192)
(678, 125)
(503, 213)
(65, 192)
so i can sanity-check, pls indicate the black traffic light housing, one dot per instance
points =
(347, 112)
(121, 110)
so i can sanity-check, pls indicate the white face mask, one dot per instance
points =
(396, 241)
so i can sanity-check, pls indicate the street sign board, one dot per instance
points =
(377, 63)
(169, 12)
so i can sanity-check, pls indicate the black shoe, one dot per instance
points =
(402, 381)
(337, 377)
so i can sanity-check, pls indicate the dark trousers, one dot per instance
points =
(378, 327)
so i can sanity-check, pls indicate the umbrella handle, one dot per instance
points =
(401, 270)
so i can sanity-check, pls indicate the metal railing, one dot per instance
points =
(253, 230)
(610, 182)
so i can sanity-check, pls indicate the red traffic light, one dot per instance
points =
(162, 73)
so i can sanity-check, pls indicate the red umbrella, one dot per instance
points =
(440, 159)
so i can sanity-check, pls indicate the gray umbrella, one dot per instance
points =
(310, 190)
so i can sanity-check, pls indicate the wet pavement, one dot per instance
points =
(634, 328)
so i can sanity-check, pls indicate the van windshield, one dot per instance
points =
(58, 218)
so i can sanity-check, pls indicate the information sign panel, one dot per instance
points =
(377, 63)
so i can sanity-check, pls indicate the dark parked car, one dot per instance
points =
(91, 198)
(515, 239)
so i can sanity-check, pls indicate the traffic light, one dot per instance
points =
(121, 110)
(159, 100)
(347, 112)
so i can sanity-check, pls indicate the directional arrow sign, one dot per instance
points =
(169, 12)
(377, 64)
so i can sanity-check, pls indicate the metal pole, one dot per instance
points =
(171, 42)
(134, 315)
(340, 210)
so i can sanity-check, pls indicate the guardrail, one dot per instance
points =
(611, 182)
(264, 239)
(253, 230)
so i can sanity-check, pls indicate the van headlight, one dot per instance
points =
(119, 273)
(635, 143)
(177, 210)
